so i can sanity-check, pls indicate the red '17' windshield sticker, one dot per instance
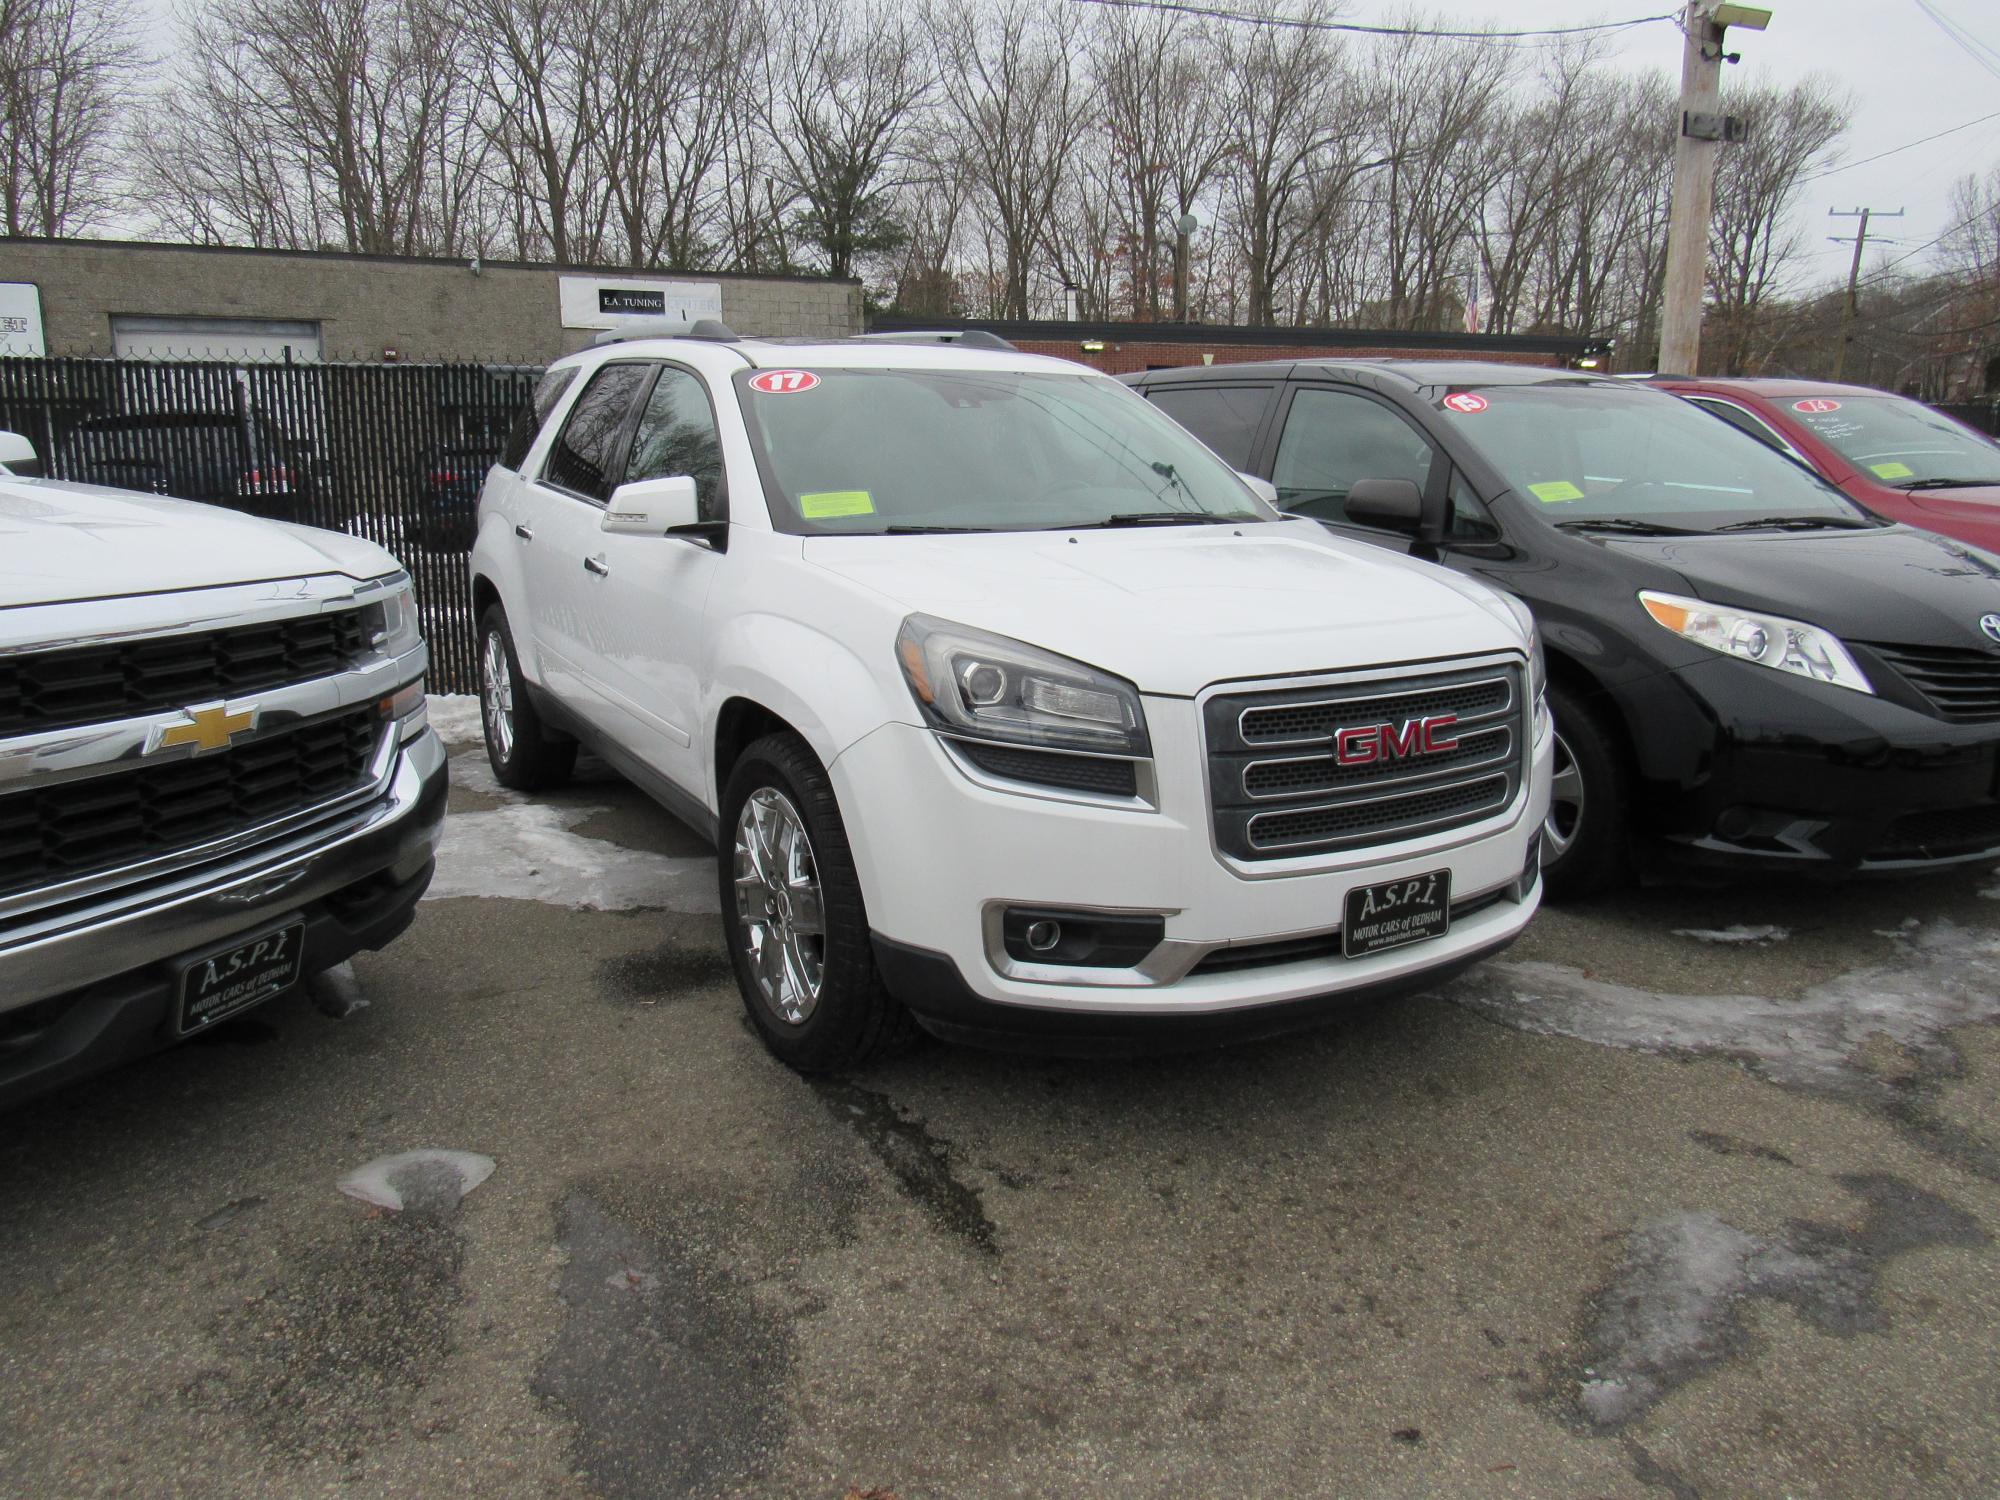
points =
(783, 382)
(1814, 406)
(1466, 402)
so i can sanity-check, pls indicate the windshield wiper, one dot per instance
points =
(1944, 484)
(924, 530)
(1799, 523)
(1626, 525)
(1160, 518)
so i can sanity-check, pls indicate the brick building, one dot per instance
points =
(1122, 348)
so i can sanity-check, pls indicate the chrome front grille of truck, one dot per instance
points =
(97, 684)
(60, 832)
(1310, 770)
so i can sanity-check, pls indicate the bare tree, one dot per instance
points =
(842, 84)
(1753, 238)
(67, 68)
(1013, 90)
(1294, 148)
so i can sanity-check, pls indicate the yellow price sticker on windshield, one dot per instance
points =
(1554, 490)
(1892, 471)
(830, 505)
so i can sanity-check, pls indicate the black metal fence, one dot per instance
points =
(395, 453)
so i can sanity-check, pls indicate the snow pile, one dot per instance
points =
(1737, 934)
(425, 1182)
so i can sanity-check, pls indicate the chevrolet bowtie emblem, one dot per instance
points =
(210, 727)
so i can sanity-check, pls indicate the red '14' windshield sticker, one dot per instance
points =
(783, 382)
(1815, 406)
(1466, 402)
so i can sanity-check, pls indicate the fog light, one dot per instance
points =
(1080, 939)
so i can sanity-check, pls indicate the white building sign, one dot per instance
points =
(21, 319)
(613, 302)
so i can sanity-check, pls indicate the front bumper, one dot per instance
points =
(1745, 768)
(89, 986)
(938, 854)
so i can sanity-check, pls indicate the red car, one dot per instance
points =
(1896, 456)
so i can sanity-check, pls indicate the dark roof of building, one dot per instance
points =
(1412, 372)
(1017, 330)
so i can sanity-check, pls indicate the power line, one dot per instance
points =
(1307, 23)
(1980, 52)
(1925, 141)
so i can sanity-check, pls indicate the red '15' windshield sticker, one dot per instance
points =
(783, 382)
(1815, 405)
(1465, 401)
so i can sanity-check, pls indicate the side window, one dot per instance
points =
(1742, 421)
(677, 436)
(1471, 521)
(1332, 439)
(528, 421)
(1226, 417)
(587, 453)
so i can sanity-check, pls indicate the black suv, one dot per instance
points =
(1746, 668)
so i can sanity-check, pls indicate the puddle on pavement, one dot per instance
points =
(670, 1371)
(662, 975)
(920, 1161)
(1674, 1309)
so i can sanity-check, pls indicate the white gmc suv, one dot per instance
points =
(1012, 710)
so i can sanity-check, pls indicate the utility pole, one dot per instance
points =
(1703, 130)
(1851, 307)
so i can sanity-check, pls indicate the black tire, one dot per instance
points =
(533, 757)
(1598, 854)
(852, 1019)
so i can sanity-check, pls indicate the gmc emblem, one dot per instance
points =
(1364, 744)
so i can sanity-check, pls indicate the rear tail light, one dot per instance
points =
(264, 481)
(444, 476)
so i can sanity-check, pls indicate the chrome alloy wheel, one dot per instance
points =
(1565, 803)
(779, 905)
(496, 695)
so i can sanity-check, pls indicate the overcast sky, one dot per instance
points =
(1908, 79)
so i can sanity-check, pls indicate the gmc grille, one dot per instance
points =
(1962, 686)
(46, 690)
(53, 834)
(1278, 790)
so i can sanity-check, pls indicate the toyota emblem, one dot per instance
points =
(1989, 625)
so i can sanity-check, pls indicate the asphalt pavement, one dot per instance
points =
(1691, 1193)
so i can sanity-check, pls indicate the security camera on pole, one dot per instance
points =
(1703, 130)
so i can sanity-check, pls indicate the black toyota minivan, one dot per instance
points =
(1747, 669)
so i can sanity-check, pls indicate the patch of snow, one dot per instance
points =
(1737, 934)
(426, 1181)
(1944, 976)
(336, 992)
(526, 850)
(455, 717)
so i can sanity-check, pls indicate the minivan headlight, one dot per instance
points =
(973, 684)
(1768, 640)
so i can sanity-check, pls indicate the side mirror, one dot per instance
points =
(652, 507)
(1263, 489)
(1396, 505)
(19, 455)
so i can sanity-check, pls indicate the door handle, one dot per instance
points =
(597, 566)
(525, 533)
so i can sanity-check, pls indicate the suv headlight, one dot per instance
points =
(1768, 640)
(974, 685)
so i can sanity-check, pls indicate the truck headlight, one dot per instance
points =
(396, 629)
(975, 685)
(1768, 640)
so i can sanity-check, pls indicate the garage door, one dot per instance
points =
(252, 340)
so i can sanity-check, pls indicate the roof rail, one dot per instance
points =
(965, 338)
(712, 329)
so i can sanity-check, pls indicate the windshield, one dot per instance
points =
(874, 451)
(1898, 441)
(1586, 454)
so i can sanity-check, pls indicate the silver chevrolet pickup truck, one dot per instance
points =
(216, 774)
